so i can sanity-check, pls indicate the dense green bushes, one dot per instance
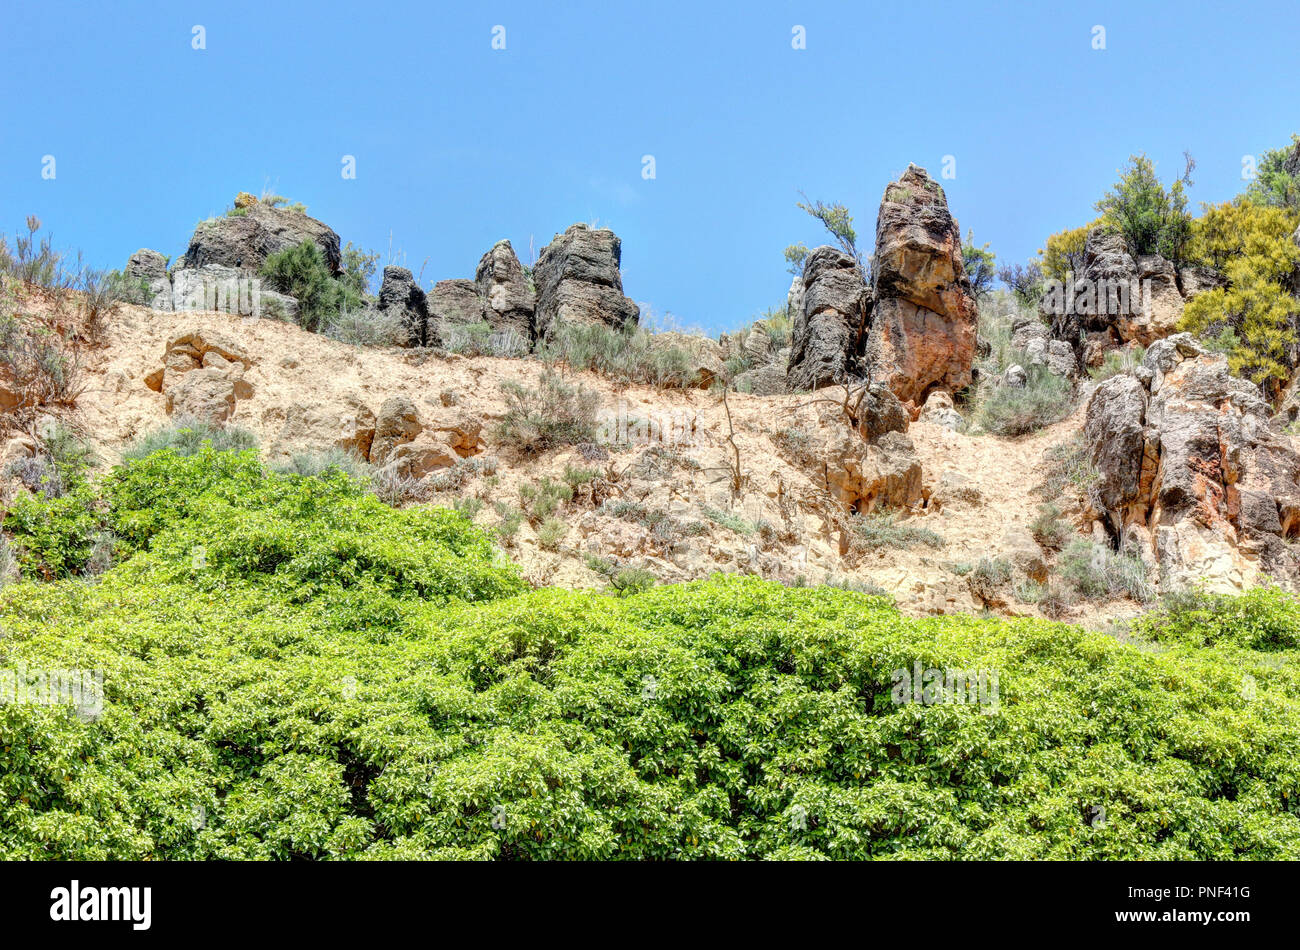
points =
(292, 670)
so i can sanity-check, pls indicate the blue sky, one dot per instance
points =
(457, 144)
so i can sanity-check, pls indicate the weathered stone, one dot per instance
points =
(766, 380)
(923, 320)
(831, 326)
(204, 394)
(509, 299)
(879, 412)
(940, 411)
(397, 424)
(399, 294)
(453, 304)
(1198, 464)
(578, 281)
(146, 273)
(245, 241)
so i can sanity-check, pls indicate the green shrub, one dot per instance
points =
(1118, 361)
(543, 498)
(1048, 529)
(551, 533)
(511, 519)
(1011, 411)
(726, 719)
(729, 520)
(1263, 618)
(630, 354)
(312, 464)
(1069, 469)
(1152, 219)
(302, 273)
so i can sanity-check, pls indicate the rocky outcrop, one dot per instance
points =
(245, 240)
(923, 318)
(454, 305)
(399, 294)
(414, 448)
(828, 331)
(508, 298)
(578, 281)
(1193, 471)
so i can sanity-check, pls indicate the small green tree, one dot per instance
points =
(981, 265)
(301, 272)
(1277, 178)
(836, 219)
(1152, 219)
(1251, 243)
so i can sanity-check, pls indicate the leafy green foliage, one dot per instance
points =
(1264, 618)
(1152, 219)
(1276, 183)
(730, 718)
(1251, 244)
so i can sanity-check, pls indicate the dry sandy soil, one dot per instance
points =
(302, 387)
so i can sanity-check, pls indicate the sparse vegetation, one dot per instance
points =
(1096, 572)
(1012, 411)
(885, 530)
(186, 436)
(627, 355)
(550, 416)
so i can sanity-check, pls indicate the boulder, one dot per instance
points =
(206, 394)
(766, 380)
(397, 424)
(940, 411)
(578, 281)
(923, 320)
(509, 299)
(313, 428)
(244, 241)
(880, 412)
(399, 294)
(828, 331)
(863, 476)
